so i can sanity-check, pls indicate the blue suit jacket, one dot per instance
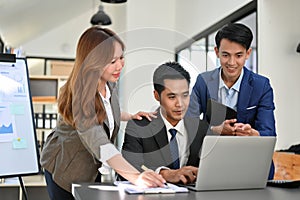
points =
(255, 104)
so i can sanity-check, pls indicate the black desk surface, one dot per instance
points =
(87, 191)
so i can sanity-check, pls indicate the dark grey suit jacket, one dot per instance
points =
(146, 143)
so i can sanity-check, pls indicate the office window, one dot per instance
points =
(212, 61)
(200, 53)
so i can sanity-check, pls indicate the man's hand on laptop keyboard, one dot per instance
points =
(185, 175)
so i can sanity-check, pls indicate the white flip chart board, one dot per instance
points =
(19, 153)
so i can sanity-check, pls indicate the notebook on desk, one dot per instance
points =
(133, 189)
(234, 162)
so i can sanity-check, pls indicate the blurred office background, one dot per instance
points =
(156, 31)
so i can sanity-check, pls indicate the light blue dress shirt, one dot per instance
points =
(229, 96)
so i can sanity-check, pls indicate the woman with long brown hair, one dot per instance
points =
(90, 118)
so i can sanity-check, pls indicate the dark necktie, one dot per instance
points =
(174, 149)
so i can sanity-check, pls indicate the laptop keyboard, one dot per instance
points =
(189, 184)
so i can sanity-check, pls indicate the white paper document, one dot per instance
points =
(133, 189)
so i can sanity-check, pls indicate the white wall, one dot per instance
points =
(59, 42)
(278, 37)
(150, 40)
(62, 41)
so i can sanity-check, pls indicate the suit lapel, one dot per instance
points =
(192, 125)
(159, 132)
(191, 128)
(246, 90)
(114, 100)
(213, 84)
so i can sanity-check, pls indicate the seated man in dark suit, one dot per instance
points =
(151, 143)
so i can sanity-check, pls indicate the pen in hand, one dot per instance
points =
(143, 167)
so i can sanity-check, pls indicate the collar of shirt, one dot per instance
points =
(179, 127)
(107, 96)
(229, 96)
(181, 138)
(236, 85)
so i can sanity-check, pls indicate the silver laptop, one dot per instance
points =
(234, 162)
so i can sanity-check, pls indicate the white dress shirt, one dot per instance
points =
(109, 150)
(181, 138)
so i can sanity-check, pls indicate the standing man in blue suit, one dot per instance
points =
(232, 84)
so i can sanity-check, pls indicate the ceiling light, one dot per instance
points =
(100, 18)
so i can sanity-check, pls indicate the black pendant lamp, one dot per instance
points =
(114, 1)
(100, 18)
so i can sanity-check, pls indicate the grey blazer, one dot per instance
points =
(73, 156)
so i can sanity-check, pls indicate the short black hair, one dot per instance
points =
(169, 70)
(235, 32)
